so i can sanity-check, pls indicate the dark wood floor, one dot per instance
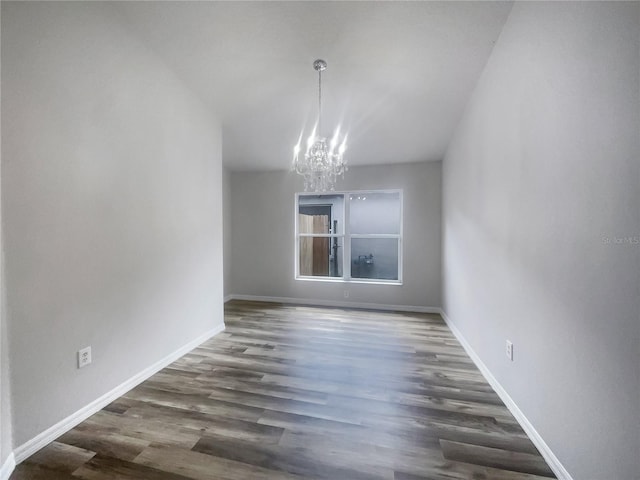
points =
(288, 392)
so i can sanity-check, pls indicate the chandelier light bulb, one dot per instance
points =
(343, 146)
(334, 140)
(311, 140)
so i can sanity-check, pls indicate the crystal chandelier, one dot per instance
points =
(323, 161)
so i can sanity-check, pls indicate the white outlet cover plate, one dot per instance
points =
(84, 357)
(509, 350)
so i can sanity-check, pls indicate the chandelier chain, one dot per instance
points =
(320, 102)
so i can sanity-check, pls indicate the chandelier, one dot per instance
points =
(323, 161)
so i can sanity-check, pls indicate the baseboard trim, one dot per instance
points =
(227, 298)
(43, 439)
(524, 422)
(7, 467)
(332, 303)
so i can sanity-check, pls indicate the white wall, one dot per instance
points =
(262, 226)
(543, 169)
(112, 207)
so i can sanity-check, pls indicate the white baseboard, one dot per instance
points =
(43, 439)
(332, 303)
(524, 422)
(227, 298)
(7, 467)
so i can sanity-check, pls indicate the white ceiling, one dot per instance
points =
(399, 73)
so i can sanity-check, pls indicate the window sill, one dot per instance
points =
(366, 281)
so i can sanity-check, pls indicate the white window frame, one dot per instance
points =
(346, 236)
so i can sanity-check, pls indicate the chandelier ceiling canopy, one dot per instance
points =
(323, 161)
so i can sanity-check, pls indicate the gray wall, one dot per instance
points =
(5, 399)
(262, 226)
(226, 228)
(6, 430)
(6, 444)
(112, 207)
(541, 183)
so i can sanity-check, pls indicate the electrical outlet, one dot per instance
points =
(346, 294)
(84, 357)
(509, 350)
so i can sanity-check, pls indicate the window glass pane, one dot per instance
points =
(326, 212)
(374, 258)
(320, 256)
(375, 212)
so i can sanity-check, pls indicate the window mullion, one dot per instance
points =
(375, 235)
(320, 235)
(346, 265)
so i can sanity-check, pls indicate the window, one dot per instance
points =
(351, 236)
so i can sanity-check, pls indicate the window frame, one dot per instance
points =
(347, 236)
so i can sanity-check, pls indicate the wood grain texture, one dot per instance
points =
(293, 392)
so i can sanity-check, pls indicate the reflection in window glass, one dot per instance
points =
(320, 232)
(374, 213)
(374, 258)
(331, 207)
(320, 256)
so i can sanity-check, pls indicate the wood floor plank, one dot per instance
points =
(298, 393)
(496, 458)
(109, 468)
(200, 466)
(61, 457)
(130, 426)
(296, 460)
(111, 444)
(338, 414)
(197, 424)
(30, 471)
(197, 403)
